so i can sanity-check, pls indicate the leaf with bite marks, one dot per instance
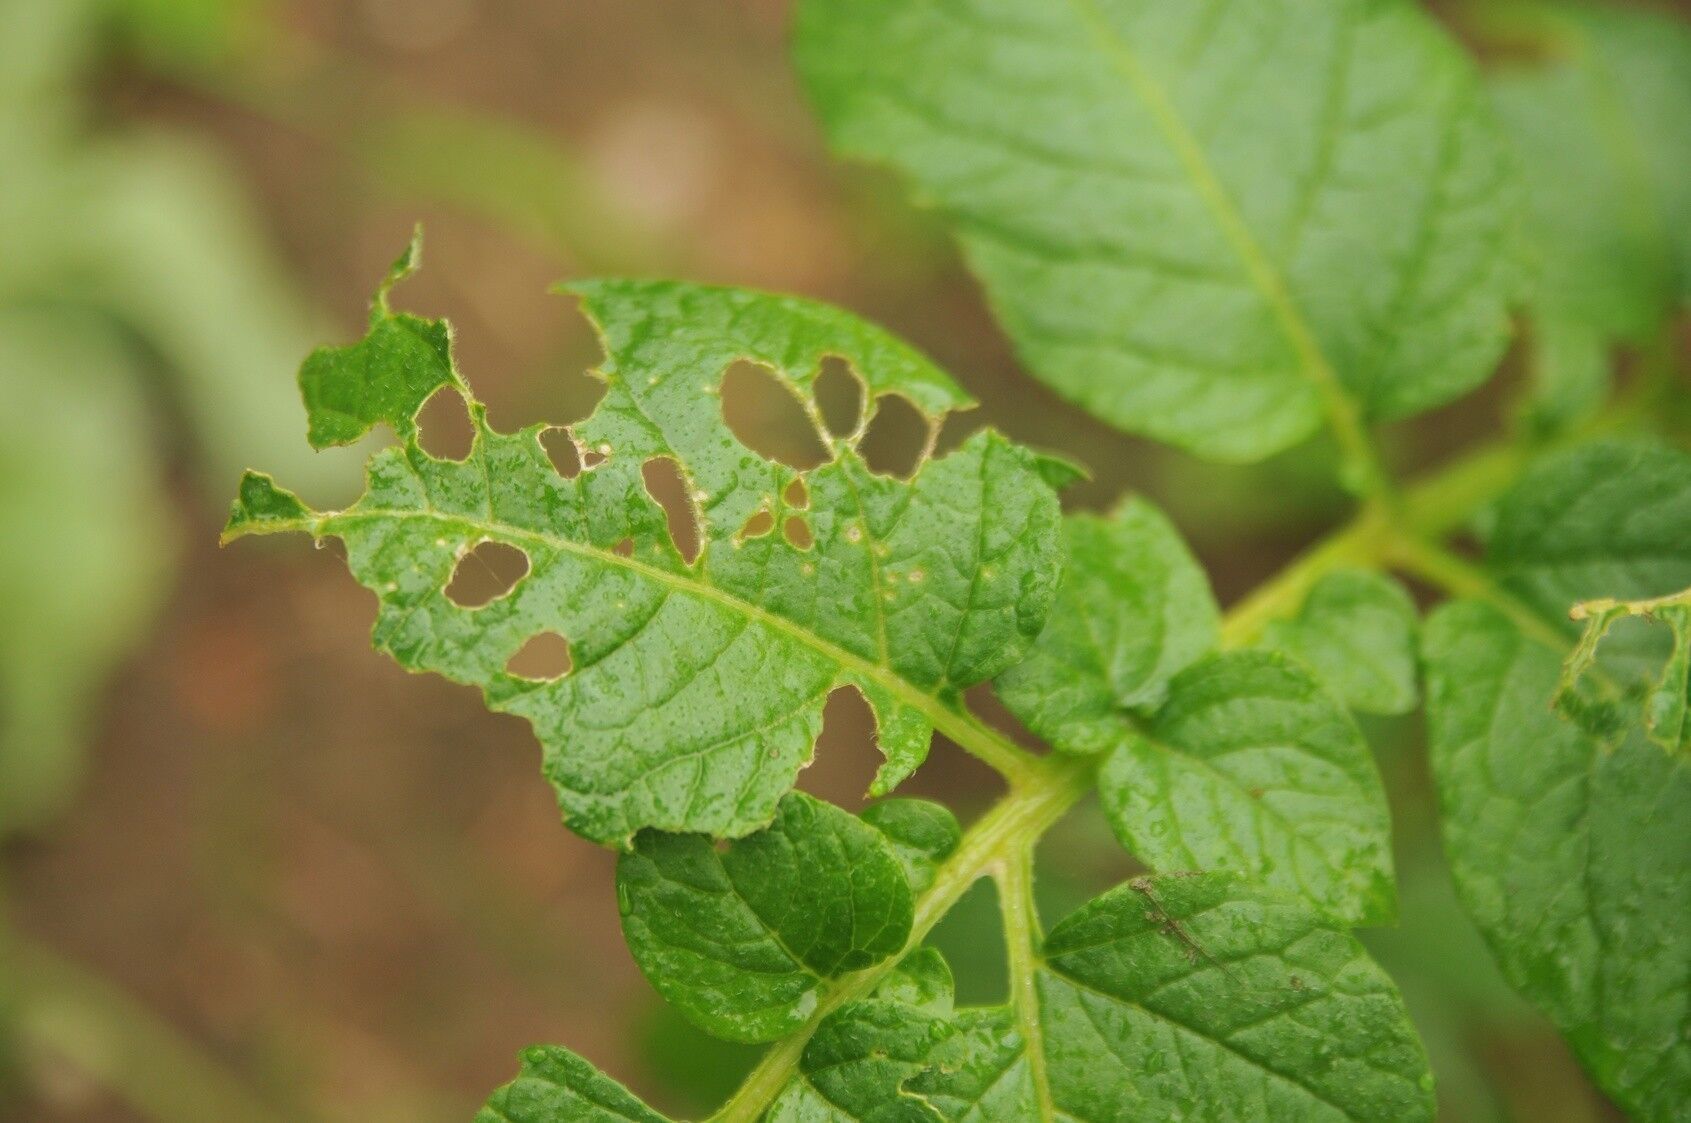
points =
(695, 689)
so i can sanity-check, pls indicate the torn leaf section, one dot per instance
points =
(557, 1086)
(1357, 631)
(1665, 702)
(384, 378)
(696, 681)
(743, 940)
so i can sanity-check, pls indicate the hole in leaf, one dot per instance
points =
(546, 656)
(957, 427)
(591, 458)
(846, 757)
(796, 495)
(485, 574)
(666, 484)
(758, 525)
(624, 549)
(561, 450)
(444, 427)
(766, 415)
(897, 437)
(797, 533)
(839, 396)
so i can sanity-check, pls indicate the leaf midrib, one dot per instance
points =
(939, 715)
(1264, 275)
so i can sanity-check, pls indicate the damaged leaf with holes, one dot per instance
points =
(694, 686)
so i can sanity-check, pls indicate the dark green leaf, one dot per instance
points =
(1133, 609)
(1253, 767)
(742, 940)
(1195, 998)
(1569, 853)
(922, 834)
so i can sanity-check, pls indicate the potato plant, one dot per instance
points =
(1230, 227)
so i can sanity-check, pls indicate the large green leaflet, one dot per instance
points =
(697, 689)
(1570, 839)
(1241, 761)
(1208, 222)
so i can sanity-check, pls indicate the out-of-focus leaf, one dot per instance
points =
(84, 543)
(1357, 630)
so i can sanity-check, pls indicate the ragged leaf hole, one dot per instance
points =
(765, 414)
(898, 438)
(624, 549)
(545, 657)
(485, 574)
(839, 397)
(444, 428)
(797, 494)
(562, 451)
(668, 487)
(797, 533)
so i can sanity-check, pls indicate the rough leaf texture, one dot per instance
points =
(696, 689)
(556, 1086)
(742, 940)
(1170, 247)
(1253, 767)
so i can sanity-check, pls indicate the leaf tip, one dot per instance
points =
(261, 507)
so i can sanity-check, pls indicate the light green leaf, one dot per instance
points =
(1356, 631)
(1133, 609)
(1253, 767)
(1569, 853)
(1193, 997)
(743, 940)
(1210, 223)
(696, 688)
(84, 544)
(1603, 130)
(922, 835)
(1667, 708)
(556, 1086)
(1603, 519)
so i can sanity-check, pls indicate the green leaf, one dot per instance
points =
(556, 1086)
(1193, 997)
(855, 1067)
(1569, 853)
(1603, 519)
(1603, 130)
(743, 940)
(922, 835)
(85, 547)
(1205, 222)
(696, 687)
(1356, 631)
(1253, 767)
(1667, 708)
(1133, 609)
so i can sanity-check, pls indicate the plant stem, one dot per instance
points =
(1011, 828)
(1022, 938)
(1460, 577)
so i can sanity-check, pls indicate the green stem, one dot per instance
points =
(1460, 577)
(1011, 828)
(1022, 938)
